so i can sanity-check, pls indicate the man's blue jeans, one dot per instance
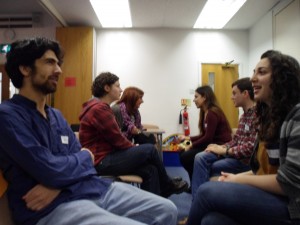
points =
(224, 203)
(208, 164)
(123, 204)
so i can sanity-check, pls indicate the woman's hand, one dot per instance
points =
(135, 131)
(40, 197)
(182, 138)
(227, 177)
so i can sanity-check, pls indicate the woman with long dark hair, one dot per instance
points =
(213, 126)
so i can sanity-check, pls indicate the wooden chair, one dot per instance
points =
(154, 129)
(4, 209)
(132, 179)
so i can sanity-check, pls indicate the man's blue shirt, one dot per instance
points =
(35, 150)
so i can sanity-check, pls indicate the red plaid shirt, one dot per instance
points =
(99, 130)
(242, 142)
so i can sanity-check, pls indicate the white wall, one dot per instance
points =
(287, 28)
(165, 64)
(260, 40)
(279, 29)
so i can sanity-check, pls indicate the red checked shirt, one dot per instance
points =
(99, 130)
(242, 142)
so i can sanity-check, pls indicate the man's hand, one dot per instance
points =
(92, 155)
(217, 149)
(40, 197)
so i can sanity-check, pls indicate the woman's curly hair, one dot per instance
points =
(285, 86)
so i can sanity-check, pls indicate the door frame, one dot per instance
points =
(4, 84)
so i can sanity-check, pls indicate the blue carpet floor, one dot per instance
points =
(183, 200)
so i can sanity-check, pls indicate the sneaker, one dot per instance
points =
(175, 187)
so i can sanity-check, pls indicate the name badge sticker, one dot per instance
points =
(64, 139)
(247, 127)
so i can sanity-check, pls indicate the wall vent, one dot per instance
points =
(20, 22)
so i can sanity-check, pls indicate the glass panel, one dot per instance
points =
(211, 80)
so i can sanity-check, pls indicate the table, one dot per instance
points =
(158, 133)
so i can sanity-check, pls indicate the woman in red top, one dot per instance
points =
(213, 125)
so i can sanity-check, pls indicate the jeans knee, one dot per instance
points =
(199, 156)
(149, 148)
(170, 211)
(206, 191)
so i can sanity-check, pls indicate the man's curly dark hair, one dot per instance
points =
(25, 52)
(104, 78)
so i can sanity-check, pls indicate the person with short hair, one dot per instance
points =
(51, 178)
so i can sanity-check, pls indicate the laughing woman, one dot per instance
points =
(270, 193)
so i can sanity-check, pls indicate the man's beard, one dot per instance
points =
(46, 87)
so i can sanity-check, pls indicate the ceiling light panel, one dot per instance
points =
(112, 13)
(217, 13)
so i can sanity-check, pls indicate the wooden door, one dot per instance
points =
(4, 84)
(220, 77)
(74, 86)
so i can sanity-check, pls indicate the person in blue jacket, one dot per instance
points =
(51, 179)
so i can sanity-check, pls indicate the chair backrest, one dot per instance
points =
(3, 184)
(4, 209)
(75, 127)
(5, 212)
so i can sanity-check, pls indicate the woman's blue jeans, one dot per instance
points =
(208, 164)
(224, 203)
